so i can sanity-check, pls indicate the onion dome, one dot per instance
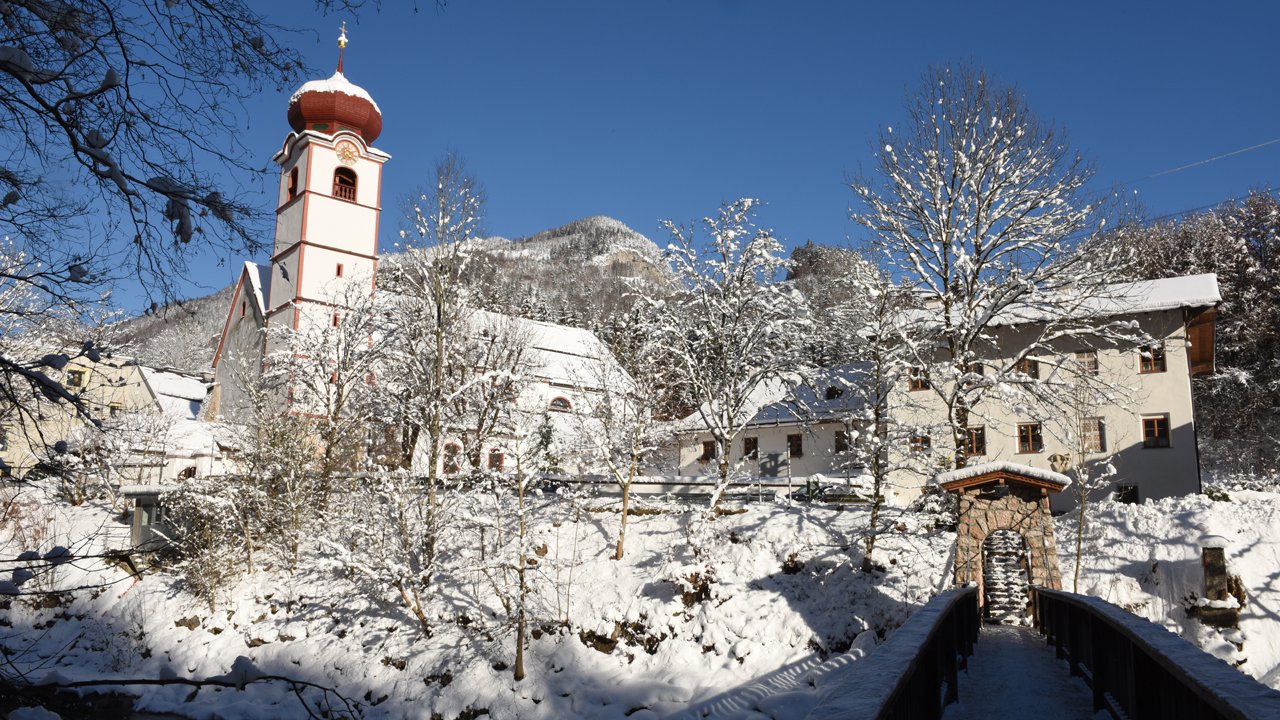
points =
(335, 104)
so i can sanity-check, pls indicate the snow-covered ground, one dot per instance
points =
(787, 593)
(1146, 559)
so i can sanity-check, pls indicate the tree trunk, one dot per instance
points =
(626, 506)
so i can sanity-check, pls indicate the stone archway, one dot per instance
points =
(1004, 496)
(1005, 580)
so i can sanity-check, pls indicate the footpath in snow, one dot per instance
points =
(1013, 674)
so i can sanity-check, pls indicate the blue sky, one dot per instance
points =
(664, 109)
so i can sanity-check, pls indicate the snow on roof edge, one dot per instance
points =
(973, 471)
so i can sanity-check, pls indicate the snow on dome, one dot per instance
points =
(335, 101)
(972, 471)
(336, 83)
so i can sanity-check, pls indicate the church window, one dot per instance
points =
(293, 183)
(338, 271)
(560, 404)
(344, 184)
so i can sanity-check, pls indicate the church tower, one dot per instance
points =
(329, 202)
(326, 239)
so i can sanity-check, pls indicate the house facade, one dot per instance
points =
(152, 414)
(1139, 433)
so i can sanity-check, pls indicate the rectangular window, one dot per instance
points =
(1151, 358)
(916, 379)
(1127, 494)
(751, 448)
(114, 410)
(337, 319)
(842, 441)
(75, 378)
(4, 440)
(975, 368)
(708, 451)
(243, 306)
(1155, 431)
(1029, 438)
(1093, 435)
(976, 441)
(495, 459)
(1028, 367)
(1087, 362)
(338, 271)
(795, 445)
(920, 442)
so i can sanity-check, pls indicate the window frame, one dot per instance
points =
(917, 380)
(450, 458)
(1087, 436)
(751, 447)
(708, 451)
(75, 379)
(1030, 438)
(919, 442)
(1086, 361)
(1152, 359)
(560, 404)
(975, 441)
(496, 460)
(1159, 440)
(795, 445)
(1029, 367)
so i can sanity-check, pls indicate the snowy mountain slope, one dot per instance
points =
(1146, 558)
(575, 274)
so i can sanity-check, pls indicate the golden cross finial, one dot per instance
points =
(342, 43)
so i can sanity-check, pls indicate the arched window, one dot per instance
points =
(344, 184)
(293, 183)
(560, 404)
(452, 453)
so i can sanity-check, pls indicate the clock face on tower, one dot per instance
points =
(347, 152)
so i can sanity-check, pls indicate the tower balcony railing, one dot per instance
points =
(345, 192)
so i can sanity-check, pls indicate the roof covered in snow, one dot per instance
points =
(829, 395)
(180, 395)
(1003, 466)
(1127, 298)
(559, 354)
(259, 280)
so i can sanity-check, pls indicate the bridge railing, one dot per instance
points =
(1140, 671)
(914, 673)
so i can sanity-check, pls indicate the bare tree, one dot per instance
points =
(975, 205)
(729, 333)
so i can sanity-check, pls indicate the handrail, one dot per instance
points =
(914, 673)
(1139, 670)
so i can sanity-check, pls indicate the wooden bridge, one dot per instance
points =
(1089, 657)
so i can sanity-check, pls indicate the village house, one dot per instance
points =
(1145, 430)
(152, 415)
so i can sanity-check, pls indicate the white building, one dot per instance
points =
(1147, 431)
(327, 216)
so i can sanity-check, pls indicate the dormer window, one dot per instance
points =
(834, 392)
(344, 184)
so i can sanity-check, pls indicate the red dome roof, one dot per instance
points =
(335, 102)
